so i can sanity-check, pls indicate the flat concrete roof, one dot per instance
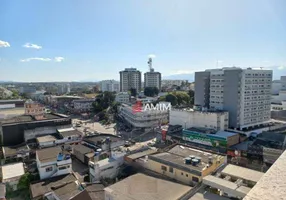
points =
(272, 185)
(205, 195)
(48, 154)
(12, 171)
(46, 138)
(242, 172)
(140, 186)
(141, 154)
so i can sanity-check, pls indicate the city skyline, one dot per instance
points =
(96, 40)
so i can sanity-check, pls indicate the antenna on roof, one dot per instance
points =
(150, 64)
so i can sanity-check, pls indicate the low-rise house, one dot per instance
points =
(185, 164)
(57, 188)
(46, 141)
(108, 167)
(122, 97)
(11, 174)
(83, 153)
(70, 135)
(16, 153)
(82, 105)
(104, 141)
(140, 186)
(53, 162)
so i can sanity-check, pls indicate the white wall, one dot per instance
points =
(189, 119)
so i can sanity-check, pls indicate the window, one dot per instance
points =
(62, 168)
(187, 175)
(49, 169)
(164, 168)
(195, 179)
(182, 173)
(171, 169)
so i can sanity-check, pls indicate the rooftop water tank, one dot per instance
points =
(199, 159)
(192, 156)
(188, 161)
(195, 162)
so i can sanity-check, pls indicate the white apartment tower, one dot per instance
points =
(244, 93)
(152, 78)
(130, 78)
(109, 85)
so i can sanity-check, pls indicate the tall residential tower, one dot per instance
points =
(130, 78)
(244, 93)
(152, 78)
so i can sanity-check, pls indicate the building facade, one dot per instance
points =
(122, 97)
(152, 79)
(244, 93)
(190, 118)
(130, 78)
(53, 162)
(144, 119)
(82, 105)
(109, 85)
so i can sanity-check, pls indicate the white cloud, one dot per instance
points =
(32, 46)
(151, 56)
(36, 58)
(59, 59)
(4, 44)
(56, 59)
(281, 67)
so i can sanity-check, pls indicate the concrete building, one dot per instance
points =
(272, 184)
(109, 85)
(27, 90)
(60, 188)
(130, 78)
(233, 181)
(11, 174)
(122, 97)
(250, 88)
(16, 153)
(278, 85)
(187, 118)
(108, 167)
(64, 89)
(105, 142)
(14, 103)
(144, 118)
(53, 162)
(16, 130)
(185, 164)
(170, 83)
(152, 78)
(140, 186)
(83, 153)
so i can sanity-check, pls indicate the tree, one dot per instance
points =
(103, 101)
(133, 92)
(182, 97)
(151, 91)
(191, 94)
(24, 182)
(172, 99)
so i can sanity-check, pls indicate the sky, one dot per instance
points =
(81, 40)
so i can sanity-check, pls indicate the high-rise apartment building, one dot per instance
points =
(244, 93)
(130, 78)
(152, 78)
(109, 85)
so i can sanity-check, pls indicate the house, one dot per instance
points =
(70, 135)
(184, 164)
(140, 186)
(83, 153)
(108, 167)
(46, 141)
(53, 162)
(104, 141)
(16, 153)
(11, 174)
(60, 188)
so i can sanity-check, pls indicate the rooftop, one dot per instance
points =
(69, 132)
(48, 154)
(10, 151)
(225, 134)
(46, 138)
(82, 149)
(205, 195)
(95, 139)
(272, 184)
(11, 100)
(96, 191)
(140, 186)
(242, 172)
(12, 171)
(176, 157)
(63, 186)
(141, 154)
(83, 195)
(29, 118)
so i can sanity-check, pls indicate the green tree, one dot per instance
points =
(133, 92)
(151, 91)
(191, 94)
(182, 97)
(172, 99)
(24, 182)
(103, 101)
